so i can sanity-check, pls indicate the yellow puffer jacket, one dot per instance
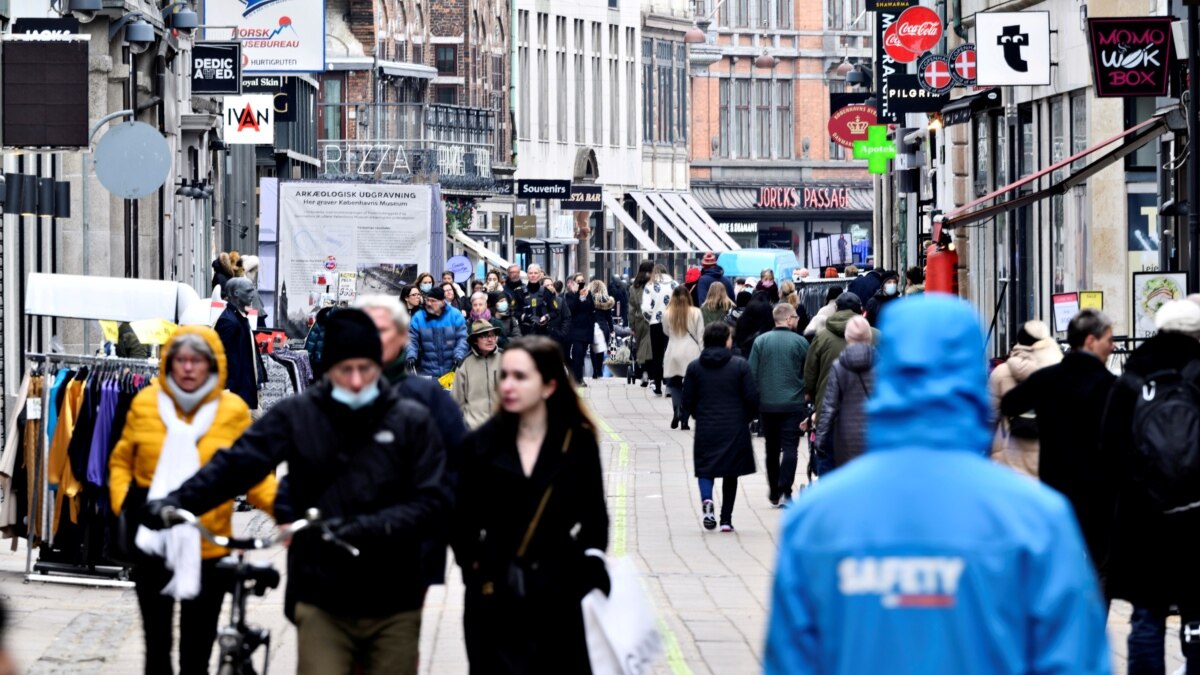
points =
(135, 456)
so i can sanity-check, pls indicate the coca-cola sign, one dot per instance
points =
(1130, 56)
(893, 47)
(919, 29)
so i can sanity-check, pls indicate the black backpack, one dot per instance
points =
(1166, 436)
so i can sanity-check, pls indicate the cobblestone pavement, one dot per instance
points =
(712, 589)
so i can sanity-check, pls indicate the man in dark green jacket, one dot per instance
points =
(777, 362)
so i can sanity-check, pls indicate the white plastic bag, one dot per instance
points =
(598, 344)
(622, 630)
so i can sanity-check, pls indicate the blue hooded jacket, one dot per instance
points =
(437, 342)
(922, 556)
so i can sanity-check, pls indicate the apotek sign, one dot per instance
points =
(808, 198)
(217, 68)
(1130, 56)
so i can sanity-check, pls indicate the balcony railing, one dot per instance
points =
(404, 141)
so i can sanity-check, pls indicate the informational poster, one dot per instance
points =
(1066, 306)
(277, 36)
(1144, 235)
(1152, 290)
(380, 233)
(1091, 300)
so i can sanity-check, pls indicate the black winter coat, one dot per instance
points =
(241, 357)
(583, 317)
(865, 286)
(380, 469)
(876, 303)
(516, 293)
(720, 392)
(1148, 563)
(755, 320)
(1069, 399)
(618, 293)
(541, 632)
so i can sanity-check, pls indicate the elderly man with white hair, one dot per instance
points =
(1153, 445)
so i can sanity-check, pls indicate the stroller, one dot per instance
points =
(622, 349)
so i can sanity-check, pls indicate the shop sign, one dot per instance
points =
(1130, 56)
(919, 29)
(276, 35)
(849, 124)
(739, 228)
(906, 95)
(887, 12)
(503, 188)
(807, 198)
(895, 48)
(934, 74)
(583, 198)
(963, 65)
(543, 189)
(217, 68)
(47, 29)
(1013, 48)
(284, 90)
(877, 149)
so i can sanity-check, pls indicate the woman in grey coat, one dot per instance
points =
(842, 424)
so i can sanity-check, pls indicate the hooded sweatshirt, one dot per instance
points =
(708, 275)
(904, 560)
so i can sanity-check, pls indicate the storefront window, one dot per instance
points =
(982, 154)
(1079, 132)
(1057, 216)
(1138, 110)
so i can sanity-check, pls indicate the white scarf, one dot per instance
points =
(178, 461)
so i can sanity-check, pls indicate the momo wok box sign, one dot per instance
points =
(1130, 56)
(277, 36)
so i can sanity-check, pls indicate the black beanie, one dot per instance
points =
(849, 301)
(350, 334)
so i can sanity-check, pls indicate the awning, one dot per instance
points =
(690, 200)
(961, 110)
(480, 250)
(1134, 137)
(700, 229)
(632, 227)
(349, 63)
(685, 226)
(399, 69)
(680, 242)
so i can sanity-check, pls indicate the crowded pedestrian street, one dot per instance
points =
(712, 589)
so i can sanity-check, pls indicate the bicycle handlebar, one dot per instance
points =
(313, 520)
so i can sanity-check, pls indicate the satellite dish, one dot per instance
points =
(132, 160)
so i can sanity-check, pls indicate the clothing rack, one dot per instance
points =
(56, 572)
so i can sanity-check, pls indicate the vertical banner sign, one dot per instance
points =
(378, 233)
(278, 36)
(887, 12)
(1130, 56)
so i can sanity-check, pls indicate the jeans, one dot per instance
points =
(197, 617)
(333, 644)
(578, 354)
(1147, 633)
(782, 430)
(728, 494)
(675, 391)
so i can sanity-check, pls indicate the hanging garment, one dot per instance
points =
(279, 385)
(59, 474)
(8, 461)
(55, 401)
(97, 466)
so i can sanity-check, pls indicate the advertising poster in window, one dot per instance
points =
(1144, 235)
(1152, 290)
(378, 233)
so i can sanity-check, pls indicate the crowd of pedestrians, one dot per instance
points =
(978, 523)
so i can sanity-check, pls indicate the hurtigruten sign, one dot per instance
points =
(808, 198)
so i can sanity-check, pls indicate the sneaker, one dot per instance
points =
(785, 501)
(710, 516)
(727, 527)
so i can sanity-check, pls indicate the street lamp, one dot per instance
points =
(139, 34)
(180, 17)
(84, 10)
(765, 60)
(698, 34)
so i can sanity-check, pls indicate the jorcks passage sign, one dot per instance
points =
(1130, 56)
(277, 36)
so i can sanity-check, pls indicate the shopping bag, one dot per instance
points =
(598, 344)
(622, 630)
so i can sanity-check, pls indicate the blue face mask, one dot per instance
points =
(502, 307)
(355, 401)
(425, 288)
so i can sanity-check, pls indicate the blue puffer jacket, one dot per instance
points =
(922, 556)
(437, 343)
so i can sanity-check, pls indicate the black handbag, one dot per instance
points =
(122, 539)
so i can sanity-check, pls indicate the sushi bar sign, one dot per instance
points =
(808, 198)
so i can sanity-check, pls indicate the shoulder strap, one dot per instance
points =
(537, 515)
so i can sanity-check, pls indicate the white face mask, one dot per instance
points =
(502, 307)
(890, 289)
(355, 401)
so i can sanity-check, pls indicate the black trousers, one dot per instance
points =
(578, 356)
(197, 617)
(658, 348)
(782, 430)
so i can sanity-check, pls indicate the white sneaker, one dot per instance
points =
(710, 516)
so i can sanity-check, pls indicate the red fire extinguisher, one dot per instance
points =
(941, 270)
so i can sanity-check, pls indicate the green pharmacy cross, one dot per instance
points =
(877, 149)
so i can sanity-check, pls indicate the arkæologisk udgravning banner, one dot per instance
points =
(1130, 55)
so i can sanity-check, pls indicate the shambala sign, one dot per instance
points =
(815, 198)
(1130, 56)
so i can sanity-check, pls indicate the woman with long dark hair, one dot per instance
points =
(655, 298)
(637, 322)
(530, 522)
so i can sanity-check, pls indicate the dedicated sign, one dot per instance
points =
(536, 188)
(277, 35)
(1013, 48)
(849, 124)
(887, 13)
(584, 198)
(217, 68)
(1130, 56)
(249, 119)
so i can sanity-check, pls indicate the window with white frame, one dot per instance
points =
(741, 117)
(647, 90)
(785, 138)
(543, 64)
(580, 89)
(762, 118)
(631, 107)
(597, 87)
(560, 59)
(525, 86)
(755, 119)
(681, 85)
(724, 116)
(614, 85)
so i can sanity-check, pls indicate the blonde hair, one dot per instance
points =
(597, 287)
(718, 298)
(678, 310)
(788, 294)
